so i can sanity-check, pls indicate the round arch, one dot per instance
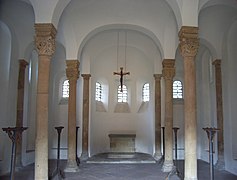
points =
(140, 29)
(209, 46)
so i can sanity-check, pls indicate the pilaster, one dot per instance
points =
(168, 74)
(157, 154)
(72, 73)
(189, 44)
(20, 109)
(219, 110)
(86, 78)
(45, 45)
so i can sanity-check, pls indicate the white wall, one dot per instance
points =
(141, 69)
(5, 55)
(229, 99)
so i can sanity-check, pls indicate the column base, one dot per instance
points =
(220, 165)
(18, 165)
(191, 178)
(167, 166)
(157, 156)
(84, 156)
(174, 174)
(18, 168)
(71, 166)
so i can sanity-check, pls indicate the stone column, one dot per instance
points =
(45, 45)
(157, 154)
(72, 73)
(189, 43)
(85, 115)
(168, 74)
(219, 110)
(20, 107)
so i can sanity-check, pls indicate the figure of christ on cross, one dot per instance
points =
(121, 73)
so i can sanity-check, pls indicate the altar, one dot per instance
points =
(122, 142)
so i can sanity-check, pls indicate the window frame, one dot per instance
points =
(65, 89)
(98, 95)
(122, 96)
(146, 92)
(178, 92)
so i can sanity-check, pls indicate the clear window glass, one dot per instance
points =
(122, 95)
(177, 90)
(65, 89)
(146, 92)
(98, 92)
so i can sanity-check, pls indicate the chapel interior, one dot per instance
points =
(112, 76)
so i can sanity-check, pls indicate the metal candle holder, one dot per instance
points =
(163, 139)
(210, 134)
(77, 158)
(14, 134)
(58, 171)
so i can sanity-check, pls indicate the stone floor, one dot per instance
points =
(146, 169)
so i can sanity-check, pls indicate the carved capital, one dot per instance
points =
(217, 63)
(23, 63)
(168, 71)
(157, 76)
(45, 38)
(86, 76)
(72, 70)
(189, 42)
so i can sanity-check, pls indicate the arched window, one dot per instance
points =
(122, 95)
(177, 90)
(65, 89)
(98, 92)
(145, 92)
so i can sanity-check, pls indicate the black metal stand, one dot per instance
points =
(175, 172)
(210, 134)
(163, 140)
(58, 171)
(77, 158)
(175, 129)
(163, 146)
(14, 133)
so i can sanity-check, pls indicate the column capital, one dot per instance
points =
(168, 71)
(86, 76)
(45, 38)
(23, 63)
(72, 70)
(217, 62)
(157, 76)
(189, 42)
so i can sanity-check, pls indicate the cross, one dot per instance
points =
(121, 73)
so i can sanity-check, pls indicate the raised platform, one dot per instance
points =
(120, 157)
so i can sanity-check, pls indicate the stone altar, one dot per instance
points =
(122, 142)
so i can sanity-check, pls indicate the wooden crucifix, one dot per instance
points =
(121, 73)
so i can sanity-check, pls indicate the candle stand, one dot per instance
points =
(210, 134)
(58, 171)
(77, 158)
(14, 134)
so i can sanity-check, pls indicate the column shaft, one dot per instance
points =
(72, 72)
(189, 45)
(41, 143)
(168, 74)
(45, 45)
(20, 107)
(86, 78)
(219, 110)
(158, 154)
